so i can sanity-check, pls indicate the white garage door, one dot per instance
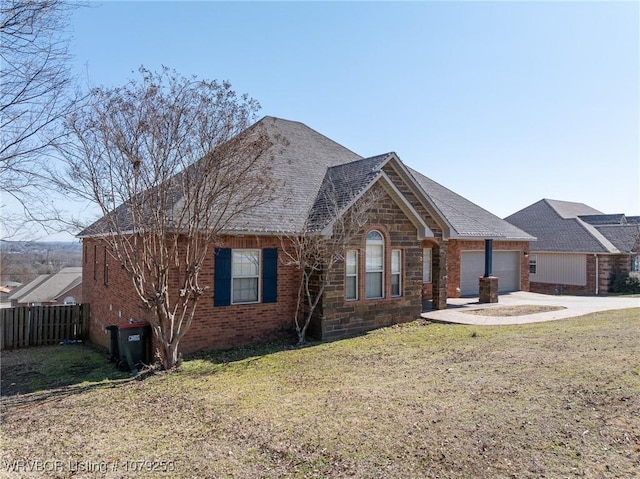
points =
(506, 266)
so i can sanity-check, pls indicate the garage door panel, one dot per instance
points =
(506, 266)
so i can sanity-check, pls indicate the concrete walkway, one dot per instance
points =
(575, 306)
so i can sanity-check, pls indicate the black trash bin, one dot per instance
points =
(133, 344)
(114, 351)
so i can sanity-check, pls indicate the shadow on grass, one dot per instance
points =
(287, 342)
(54, 369)
(19, 401)
(222, 357)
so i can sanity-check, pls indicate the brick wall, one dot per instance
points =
(75, 292)
(341, 317)
(234, 325)
(115, 301)
(454, 256)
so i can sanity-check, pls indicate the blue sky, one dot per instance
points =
(503, 102)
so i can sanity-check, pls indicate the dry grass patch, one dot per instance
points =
(558, 399)
(519, 310)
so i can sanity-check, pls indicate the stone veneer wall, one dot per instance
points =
(342, 318)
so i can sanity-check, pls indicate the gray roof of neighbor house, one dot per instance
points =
(595, 220)
(626, 238)
(50, 287)
(307, 165)
(569, 227)
(27, 287)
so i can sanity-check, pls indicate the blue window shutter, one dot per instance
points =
(222, 277)
(269, 275)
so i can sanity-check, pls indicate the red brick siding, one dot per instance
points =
(454, 254)
(114, 303)
(76, 292)
(229, 326)
(212, 327)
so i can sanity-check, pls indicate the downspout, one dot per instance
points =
(597, 275)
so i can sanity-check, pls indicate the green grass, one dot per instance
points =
(557, 399)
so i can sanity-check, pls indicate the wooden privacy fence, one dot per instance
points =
(42, 325)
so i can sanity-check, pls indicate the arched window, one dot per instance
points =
(374, 265)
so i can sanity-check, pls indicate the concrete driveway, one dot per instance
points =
(575, 306)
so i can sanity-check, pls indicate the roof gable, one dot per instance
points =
(341, 186)
(345, 184)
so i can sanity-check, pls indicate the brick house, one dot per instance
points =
(421, 241)
(579, 248)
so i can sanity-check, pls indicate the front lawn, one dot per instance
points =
(556, 399)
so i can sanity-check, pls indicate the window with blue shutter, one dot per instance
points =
(270, 275)
(223, 282)
(222, 277)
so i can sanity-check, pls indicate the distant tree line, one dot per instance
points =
(22, 262)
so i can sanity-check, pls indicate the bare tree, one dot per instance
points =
(335, 224)
(171, 164)
(34, 96)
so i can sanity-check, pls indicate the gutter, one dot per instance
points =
(597, 275)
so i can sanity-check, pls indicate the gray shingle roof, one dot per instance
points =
(626, 238)
(27, 287)
(341, 185)
(53, 286)
(305, 164)
(560, 227)
(467, 218)
(570, 209)
(299, 168)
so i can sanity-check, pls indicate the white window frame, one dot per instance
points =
(426, 265)
(353, 275)
(369, 269)
(396, 271)
(533, 261)
(635, 263)
(235, 275)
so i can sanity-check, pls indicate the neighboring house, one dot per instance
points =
(421, 241)
(63, 287)
(5, 292)
(579, 248)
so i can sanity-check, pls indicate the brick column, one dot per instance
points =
(439, 276)
(489, 289)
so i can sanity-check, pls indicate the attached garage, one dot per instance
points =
(506, 266)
